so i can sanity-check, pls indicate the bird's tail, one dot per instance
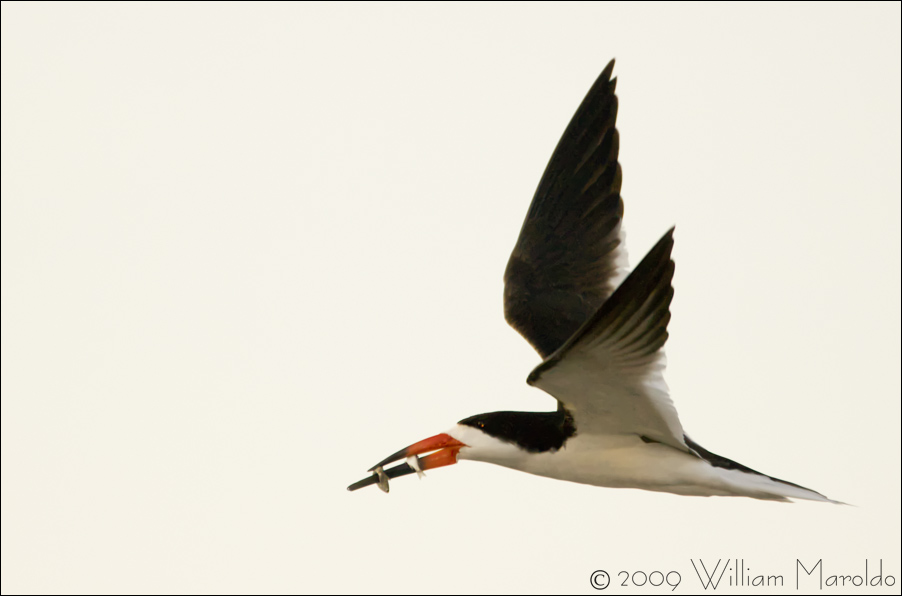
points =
(760, 486)
(743, 481)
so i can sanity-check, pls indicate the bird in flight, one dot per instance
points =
(601, 334)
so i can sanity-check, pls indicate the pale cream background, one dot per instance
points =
(251, 249)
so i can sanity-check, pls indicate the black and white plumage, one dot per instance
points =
(601, 334)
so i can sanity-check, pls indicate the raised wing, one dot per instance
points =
(569, 257)
(609, 374)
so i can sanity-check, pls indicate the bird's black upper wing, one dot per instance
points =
(569, 257)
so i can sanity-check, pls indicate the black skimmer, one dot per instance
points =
(601, 334)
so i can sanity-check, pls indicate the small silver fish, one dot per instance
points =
(414, 462)
(383, 478)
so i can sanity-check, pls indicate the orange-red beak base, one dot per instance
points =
(435, 443)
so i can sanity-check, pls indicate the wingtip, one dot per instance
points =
(606, 74)
(665, 243)
(666, 240)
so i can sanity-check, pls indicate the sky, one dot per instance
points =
(249, 250)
